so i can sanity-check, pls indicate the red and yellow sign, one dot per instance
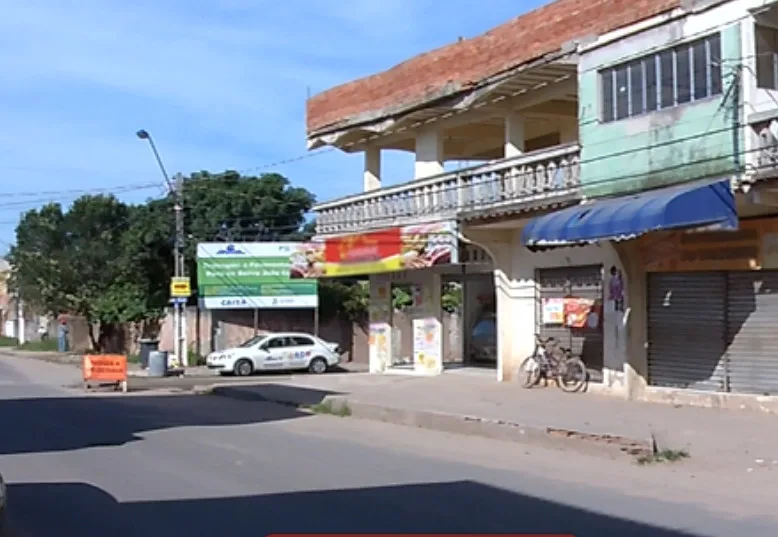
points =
(389, 250)
(752, 247)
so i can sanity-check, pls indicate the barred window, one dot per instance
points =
(672, 77)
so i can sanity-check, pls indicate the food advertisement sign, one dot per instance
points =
(257, 275)
(389, 250)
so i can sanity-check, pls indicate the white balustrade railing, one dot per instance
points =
(765, 157)
(535, 176)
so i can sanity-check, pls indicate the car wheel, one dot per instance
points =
(244, 368)
(318, 366)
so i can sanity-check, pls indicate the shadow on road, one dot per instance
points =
(54, 510)
(285, 394)
(37, 425)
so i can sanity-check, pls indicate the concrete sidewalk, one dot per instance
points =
(476, 404)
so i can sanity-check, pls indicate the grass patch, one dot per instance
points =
(48, 345)
(664, 455)
(328, 407)
(6, 341)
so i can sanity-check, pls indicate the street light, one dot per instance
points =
(178, 251)
(143, 134)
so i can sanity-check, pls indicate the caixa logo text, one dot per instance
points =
(234, 302)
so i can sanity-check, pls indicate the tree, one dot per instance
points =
(231, 207)
(94, 261)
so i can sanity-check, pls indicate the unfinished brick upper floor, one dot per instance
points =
(461, 66)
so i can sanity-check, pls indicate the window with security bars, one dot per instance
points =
(766, 57)
(671, 77)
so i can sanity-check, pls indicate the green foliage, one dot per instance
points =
(48, 345)
(349, 300)
(451, 297)
(111, 262)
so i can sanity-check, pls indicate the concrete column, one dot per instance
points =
(516, 307)
(429, 154)
(427, 317)
(380, 336)
(636, 363)
(372, 176)
(514, 135)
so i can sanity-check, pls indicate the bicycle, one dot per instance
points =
(551, 360)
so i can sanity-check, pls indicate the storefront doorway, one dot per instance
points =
(714, 331)
(578, 282)
(480, 321)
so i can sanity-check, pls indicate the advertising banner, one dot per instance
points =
(389, 250)
(256, 275)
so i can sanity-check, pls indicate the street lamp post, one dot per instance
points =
(176, 189)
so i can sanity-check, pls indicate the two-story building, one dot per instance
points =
(623, 203)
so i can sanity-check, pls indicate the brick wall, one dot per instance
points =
(462, 64)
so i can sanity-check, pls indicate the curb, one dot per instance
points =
(550, 437)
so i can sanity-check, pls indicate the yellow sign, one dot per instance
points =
(180, 288)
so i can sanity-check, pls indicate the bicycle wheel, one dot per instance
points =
(529, 371)
(572, 375)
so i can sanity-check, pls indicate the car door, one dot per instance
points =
(275, 353)
(301, 348)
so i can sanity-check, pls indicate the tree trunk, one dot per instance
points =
(111, 340)
(92, 339)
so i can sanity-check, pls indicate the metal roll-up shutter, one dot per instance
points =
(687, 330)
(752, 332)
(580, 282)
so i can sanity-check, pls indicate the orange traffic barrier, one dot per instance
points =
(105, 369)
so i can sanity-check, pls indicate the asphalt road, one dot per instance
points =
(166, 465)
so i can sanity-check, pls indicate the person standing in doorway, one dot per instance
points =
(62, 335)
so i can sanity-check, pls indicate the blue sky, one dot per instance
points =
(219, 84)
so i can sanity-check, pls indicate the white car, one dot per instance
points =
(276, 352)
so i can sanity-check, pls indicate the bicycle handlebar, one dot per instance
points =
(543, 341)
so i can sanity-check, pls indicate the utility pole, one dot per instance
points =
(182, 353)
(179, 306)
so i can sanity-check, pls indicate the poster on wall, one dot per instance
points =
(379, 346)
(553, 311)
(427, 345)
(581, 313)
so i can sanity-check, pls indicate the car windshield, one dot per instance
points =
(251, 342)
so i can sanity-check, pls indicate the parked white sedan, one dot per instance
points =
(276, 352)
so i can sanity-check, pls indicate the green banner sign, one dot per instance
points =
(254, 275)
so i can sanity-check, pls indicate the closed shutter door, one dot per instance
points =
(753, 332)
(579, 282)
(687, 330)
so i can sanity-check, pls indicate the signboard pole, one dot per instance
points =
(256, 321)
(179, 271)
(316, 321)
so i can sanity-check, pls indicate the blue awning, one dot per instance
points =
(690, 205)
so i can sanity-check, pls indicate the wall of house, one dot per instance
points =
(694, 140)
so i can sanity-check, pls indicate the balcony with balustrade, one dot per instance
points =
(522, 133)
(508, 186)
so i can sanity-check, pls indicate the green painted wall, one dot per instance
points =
(691, 141)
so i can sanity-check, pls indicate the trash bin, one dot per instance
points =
(147, 346)
(158, 363)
